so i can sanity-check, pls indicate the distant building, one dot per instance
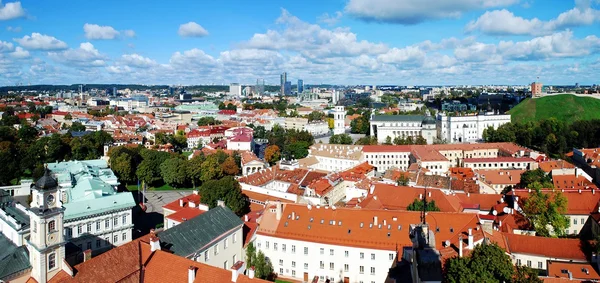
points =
(339, 116)
(260, 86)
(235, 89)
(282, 81)
(468, 128)
(403, 126)
(288, 88)
(300, 87)
(536, 89)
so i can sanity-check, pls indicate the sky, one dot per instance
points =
(354, 42)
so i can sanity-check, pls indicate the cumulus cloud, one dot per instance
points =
(6, 46)
(330, 19)
(39, 41)
(20, 53)
(136, 60)
(11, 10)
(504, 22)
(192, 58)
(192, 29)
(312, 41)
(93, 31)
(416, 11)
(409, 54)
(84, 56)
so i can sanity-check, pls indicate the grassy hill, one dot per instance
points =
(564, 107)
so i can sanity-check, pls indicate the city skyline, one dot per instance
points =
(461, 42)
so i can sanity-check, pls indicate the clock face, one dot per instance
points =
(50, 199)
(52, 238)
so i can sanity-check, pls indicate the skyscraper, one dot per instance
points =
(300, 86)
(260, 86)
(283, 80)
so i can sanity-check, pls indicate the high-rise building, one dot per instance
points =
(260, 86)
(288, 88)
(536, 89)
(282, 81)
(235, 89)
(300, 86)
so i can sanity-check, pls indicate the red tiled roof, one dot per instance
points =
(555, 269)
(387, 148)
(558, 248)
(578, 203)
(185, 214)
(548, 166)
(391, 197)
(498, 159)
(572, 182)
(175, 205)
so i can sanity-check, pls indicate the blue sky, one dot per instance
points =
(405, 42)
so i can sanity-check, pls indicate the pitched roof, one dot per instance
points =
(185, 214)
(195, 234)
(354, 227)
(386, 196)
(577, 270)
(13, 259)
(548, 247)
(550, 165)
(579, 203)
(175, 205)
(500, 177)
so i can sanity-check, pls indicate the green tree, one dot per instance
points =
(208, 121)
(366, 140)
(402, 180)
(545, 211)
(263, 266)
(535, 176)
(68, 116)
(174, 172)
(340, 139)
(211, 169)
(487, 263)
(417, 205)
(298, 149)
(524, 274)
(77, 127)
(388, 140)
(194, 169)
(250, 255)
(148, 170)
(228, 190)
(316, 116)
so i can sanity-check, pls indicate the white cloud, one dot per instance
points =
(84, 56)
(13, 29)
(136, 60)
(407, 55)
(93, 31)
(128, 33)
(20, 53)
(6, 46)
(119, 69)
(330, 19)
(504, 22)
(313, 41)
(192, 58)
(11, 10)
(192, 29)
(416, 11)
(557, 45)
(39, 41)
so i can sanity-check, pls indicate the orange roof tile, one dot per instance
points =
(559, 248)
(185, 214)
(550, 165)
(578, 203)
(386, 196)
(500, 177)
(572, 182)
(175, 205)
(578, 270)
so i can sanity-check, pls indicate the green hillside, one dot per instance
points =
(564, 107)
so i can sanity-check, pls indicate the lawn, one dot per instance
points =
(565, 107)
(187, 153)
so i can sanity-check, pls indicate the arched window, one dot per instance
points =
(51, 225)
(51, 260)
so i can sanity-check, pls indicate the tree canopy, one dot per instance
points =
(228, 190)
(340, 139)
(529, 177)
(417, 205)
(545, 211)
(174, 172)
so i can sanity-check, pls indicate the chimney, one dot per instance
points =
(470, 245)
(246, 218)
(181, 202)
(278, 210)
(251, 272)
(460, 246)
(192, 274)
(429, 194)
(87, 255)
(195, 192)
(203, 207)
(154, 241)
(237, 269)
(220, 203)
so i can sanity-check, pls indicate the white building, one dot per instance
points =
(402, 126)
(235, 89)
(385, 157)
(332, 157)
(462, 129)
(339, 116)
(317, 128)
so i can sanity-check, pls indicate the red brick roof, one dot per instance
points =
(393, 197)
(185, 214)
(555, 269)
(558, 248)
(175, 205)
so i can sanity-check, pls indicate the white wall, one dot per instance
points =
(295, 264)
(106, 234)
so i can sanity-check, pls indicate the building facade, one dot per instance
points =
(465, 129)
(403, 126)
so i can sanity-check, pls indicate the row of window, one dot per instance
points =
(321, 251)
(575, 221)
(540, 264)
(496, 165)
(88, 226)
(106, 242)
(216, 247)
(361, 269)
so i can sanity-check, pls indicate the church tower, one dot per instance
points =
(46, 244)
(339, 117)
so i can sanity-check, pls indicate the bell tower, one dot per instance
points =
(46, 244)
